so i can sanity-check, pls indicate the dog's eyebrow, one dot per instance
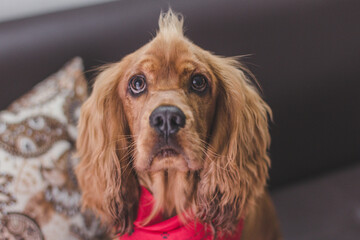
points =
(187, 66)
(150, 63)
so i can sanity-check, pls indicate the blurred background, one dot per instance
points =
(305, 54)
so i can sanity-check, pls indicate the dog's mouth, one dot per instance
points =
(168, 157)
(166, 152)
(165, 156)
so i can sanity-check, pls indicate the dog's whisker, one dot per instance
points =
(129, 163)
(206, 145)
(216, 161)
(131, 145)
(218, 165)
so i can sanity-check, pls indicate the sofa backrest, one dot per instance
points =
(305, 54)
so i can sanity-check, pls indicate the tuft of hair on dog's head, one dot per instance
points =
(236, 164)
(171, 23)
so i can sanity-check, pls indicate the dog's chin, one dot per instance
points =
(172, 162)
(167, 159)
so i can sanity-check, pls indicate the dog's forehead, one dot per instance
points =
(164, 56)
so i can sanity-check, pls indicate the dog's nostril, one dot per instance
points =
(158, 121)
(174, 121)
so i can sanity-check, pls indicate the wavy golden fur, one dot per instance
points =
(219, 174)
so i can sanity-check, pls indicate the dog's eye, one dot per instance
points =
(199, 83)
(137, 84)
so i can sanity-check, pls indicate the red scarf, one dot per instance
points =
(172, 228)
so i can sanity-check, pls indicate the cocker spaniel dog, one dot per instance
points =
(173, 145)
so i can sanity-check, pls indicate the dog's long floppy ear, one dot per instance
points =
(105, 175)
(236, 170)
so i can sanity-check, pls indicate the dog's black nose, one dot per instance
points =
(167, 120)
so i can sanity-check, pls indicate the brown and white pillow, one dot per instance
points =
(39, 195)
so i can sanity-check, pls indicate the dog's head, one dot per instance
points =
(172, 106)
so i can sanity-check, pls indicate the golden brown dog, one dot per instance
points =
(186, 124)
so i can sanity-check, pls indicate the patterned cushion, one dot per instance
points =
(39, 195)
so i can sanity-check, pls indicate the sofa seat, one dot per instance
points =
(325, 208)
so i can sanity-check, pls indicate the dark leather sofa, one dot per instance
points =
(305, 54)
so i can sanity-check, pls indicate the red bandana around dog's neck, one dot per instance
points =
(172, 228)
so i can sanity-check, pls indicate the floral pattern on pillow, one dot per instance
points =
(39, 194)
